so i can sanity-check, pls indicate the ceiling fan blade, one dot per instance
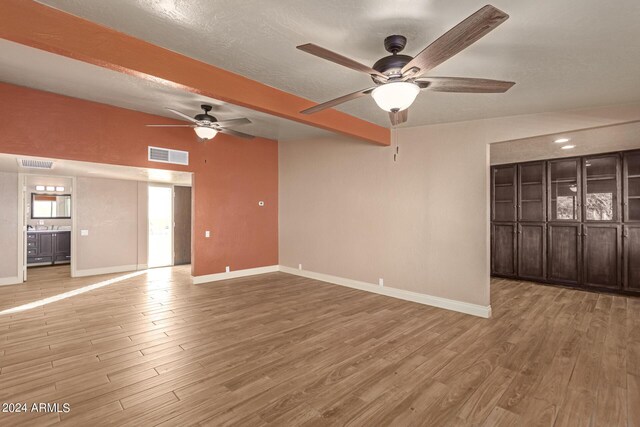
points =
(465, 85)
(236, 133)
(170, 126)
(232, 122)
(338, 101)
(457, 39)
(183, 115)
(399, 117)
(339, 59)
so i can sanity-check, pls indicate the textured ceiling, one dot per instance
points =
(25, 66)
(587, 141)
(562, 54)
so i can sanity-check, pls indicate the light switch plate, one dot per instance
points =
(207, 233)
(84, 232)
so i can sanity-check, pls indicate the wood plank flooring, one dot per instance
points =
(276, 349)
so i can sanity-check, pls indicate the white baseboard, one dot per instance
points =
(233, 274)
(449, 304)
(142, 267)
(10, 281)
(105, 270)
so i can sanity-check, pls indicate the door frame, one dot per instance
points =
(172, 222)
(22, 227)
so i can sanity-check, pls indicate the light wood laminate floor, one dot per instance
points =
(283, 350)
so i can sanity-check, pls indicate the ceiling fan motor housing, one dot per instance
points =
(392, 64)
(205, 117)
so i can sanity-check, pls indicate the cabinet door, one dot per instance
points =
(601, 255)
(563, 260)
(531, 192)
(632, 257)
(503, 249)
(503, 193)
(564, 190)
(632, 186)
(532, 251)
(45, 244)
(601, 188)
(62, 243)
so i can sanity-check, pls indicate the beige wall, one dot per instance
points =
(8, 226)
(421, 223)
(109, 210)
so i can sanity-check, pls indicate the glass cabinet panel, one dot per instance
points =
(504, 193)
(601, 195)
(564, 190)
(632, 186)
(531, 195)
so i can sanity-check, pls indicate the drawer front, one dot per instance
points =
(32, 252)
(32, 244)
(39, 259)
(31, 236)
(63, 257)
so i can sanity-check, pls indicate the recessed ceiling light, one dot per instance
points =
(568, 147)
(561, 140)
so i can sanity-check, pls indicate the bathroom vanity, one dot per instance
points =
(48, 247)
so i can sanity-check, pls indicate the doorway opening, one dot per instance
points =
(47, 226)
(160, 226)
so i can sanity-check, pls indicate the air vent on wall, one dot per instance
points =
(35, 164)
(164, 155)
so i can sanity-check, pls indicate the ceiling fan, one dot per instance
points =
(399, 78)
(206, 126)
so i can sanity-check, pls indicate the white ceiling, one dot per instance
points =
(587, 141)
(9, 163)
(562, 54)
(26, 66)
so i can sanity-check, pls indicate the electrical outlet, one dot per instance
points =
(84, 232)
(207, 234)
(299, 266)
(381, 282)
(227, 269)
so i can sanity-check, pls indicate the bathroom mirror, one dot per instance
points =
(47, 206)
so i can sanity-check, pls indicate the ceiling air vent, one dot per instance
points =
(164, 155)
(35, 164)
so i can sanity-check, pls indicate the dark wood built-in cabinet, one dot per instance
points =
(532, 247)
(48, 247)
(572, 221)
(503, 244)
(631, 245)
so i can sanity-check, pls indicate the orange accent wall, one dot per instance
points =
(230, 175)
(33, 24)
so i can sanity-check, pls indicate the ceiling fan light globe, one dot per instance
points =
(204, 132)
(395, 96)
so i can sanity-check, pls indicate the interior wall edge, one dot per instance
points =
(420, 298)
(106, 270)
(6, 281)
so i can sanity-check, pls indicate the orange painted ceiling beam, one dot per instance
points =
(35, 25)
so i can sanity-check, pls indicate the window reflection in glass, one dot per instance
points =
(599, 206)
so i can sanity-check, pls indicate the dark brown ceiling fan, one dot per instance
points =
(207, 126)
(398, 78)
